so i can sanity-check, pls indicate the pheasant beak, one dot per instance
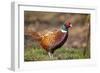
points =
(70, 25)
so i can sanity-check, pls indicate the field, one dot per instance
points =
(38, 54)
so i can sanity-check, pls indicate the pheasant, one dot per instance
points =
(52, 40)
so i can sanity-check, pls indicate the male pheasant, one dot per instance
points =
(52, 40)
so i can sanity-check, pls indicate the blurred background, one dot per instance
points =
(79, 34)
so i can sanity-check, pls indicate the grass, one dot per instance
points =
(39, 54)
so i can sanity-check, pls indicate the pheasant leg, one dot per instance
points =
(50, 55)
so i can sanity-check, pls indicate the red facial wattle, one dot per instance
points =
(68, 24)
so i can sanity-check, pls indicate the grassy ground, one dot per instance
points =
(38, 54)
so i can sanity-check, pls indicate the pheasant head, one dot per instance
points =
(66, 26)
